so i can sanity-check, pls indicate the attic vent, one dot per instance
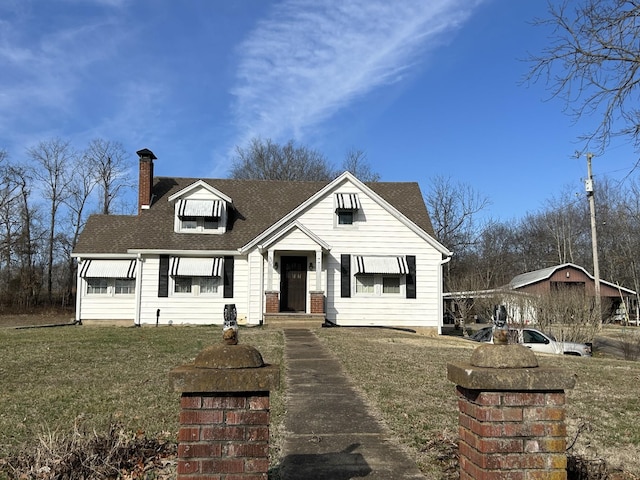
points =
(199, 208)
(347, 201)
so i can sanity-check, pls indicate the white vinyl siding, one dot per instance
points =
(205, 308)
(378, 233)
(107, 299)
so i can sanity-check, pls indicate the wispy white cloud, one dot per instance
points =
(310, 59)
(46, 64)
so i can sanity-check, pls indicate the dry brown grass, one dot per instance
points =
(403, 376)
(51, 377)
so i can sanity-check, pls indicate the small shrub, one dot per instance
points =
(85, 454)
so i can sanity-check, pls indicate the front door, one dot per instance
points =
(293, 284)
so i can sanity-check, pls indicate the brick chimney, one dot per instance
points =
(145, 183)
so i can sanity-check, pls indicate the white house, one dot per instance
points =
(341, 252)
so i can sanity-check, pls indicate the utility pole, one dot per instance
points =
(594, 238)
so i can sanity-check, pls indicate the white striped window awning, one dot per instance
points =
(108, 269)
(196, 267)
(347, 201)
(199, 208)
(396, 265)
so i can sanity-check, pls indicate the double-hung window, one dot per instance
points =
(380, 275)
(97, 286)
(196, 276)
(199, 216)
(347, 207)
(109, 277)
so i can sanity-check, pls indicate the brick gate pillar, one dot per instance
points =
(511, 415)
(224, 414)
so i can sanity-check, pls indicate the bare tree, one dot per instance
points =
(81, 185)
(108, 168)
(567, 313)
(494, 257)
(355, 161)
(592, 64)
(51, 169)
(26, 242)
(453, 208)
(267, 160)
(564, 219)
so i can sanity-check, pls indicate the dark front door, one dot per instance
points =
(293, 284)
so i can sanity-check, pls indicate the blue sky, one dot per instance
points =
(425, 88)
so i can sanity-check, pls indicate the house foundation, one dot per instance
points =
(511, 415)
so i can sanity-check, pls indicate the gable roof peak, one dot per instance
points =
(200, 184)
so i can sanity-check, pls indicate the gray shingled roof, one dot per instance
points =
(258, 204)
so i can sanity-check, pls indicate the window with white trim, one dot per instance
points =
(377, 285)
(391, 285)
(109, 276)
(345, 217)
(125, 286)
(196, 286)
(381, 275)
(111, 286)
(365, 284)
(199, 224)
(97, 286)
(347, 206)
(200, 215)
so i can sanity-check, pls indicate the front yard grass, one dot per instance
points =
(56, 378)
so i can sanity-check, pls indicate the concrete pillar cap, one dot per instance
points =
(222, 356)
(503, 356)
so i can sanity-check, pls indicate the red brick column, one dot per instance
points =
(272, 304)
(514, 435)
(224, 414)
(317, 302)
(224, 436)
(511, 415)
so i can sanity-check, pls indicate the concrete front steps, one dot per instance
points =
(293, 320)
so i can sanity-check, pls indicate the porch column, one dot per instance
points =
(270, 255)
(319, 270)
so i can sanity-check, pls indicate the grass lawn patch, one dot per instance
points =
(76, 382)
(58, 380)
(404, 377)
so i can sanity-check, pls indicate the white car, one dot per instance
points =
(536, 341)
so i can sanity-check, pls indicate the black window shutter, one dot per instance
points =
(228, 277)
(345, 276)
(411, 276)
(163, 279)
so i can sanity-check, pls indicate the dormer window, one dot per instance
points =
(347, 206)
(200, 208)
(199, 216)
(199, 224)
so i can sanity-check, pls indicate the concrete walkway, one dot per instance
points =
(329, 433)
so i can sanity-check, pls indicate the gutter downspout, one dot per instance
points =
(79, 292)
(261, 302)
(139, 264)
(440, 287)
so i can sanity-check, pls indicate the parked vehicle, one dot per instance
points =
(536, 341)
